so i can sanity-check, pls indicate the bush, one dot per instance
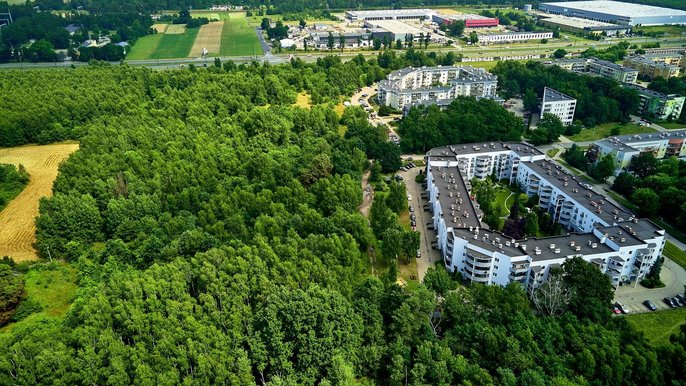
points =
(26, 308)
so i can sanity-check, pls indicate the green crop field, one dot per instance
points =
(144, 47)
(212, 15)
(239, 38)
(175, 45)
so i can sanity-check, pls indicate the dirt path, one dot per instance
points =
(368, 195)
(17, 220)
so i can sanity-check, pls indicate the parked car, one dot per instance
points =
(622, 308)
(678, 301)
(409, 197)
(413, 217)
(650, 305)
(616, 309)
(411, 208)
(670, 302)
(419, 254)
(681, 299)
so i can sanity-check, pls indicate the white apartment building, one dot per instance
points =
(412, 86)
(510, 37)
(619, 244)
(558, 104)
(625, 147)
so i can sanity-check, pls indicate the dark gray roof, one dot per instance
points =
(465, 213)
(551, 95)
(576, 190)
(585, 242)
(620, 235)
(494, 241)
(450, 152)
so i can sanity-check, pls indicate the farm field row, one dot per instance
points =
(227, 34)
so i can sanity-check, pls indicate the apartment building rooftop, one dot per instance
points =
(612, 65)
(557, 247)
(457, 206)
(490, 240)
(569, 183)
(551, 95)
(450, 152)
(648, 92)
(621, 235)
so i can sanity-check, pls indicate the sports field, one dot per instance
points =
(17, 220)
(239, 37)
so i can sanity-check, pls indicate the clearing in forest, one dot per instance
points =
(209, 37)
(18, 219)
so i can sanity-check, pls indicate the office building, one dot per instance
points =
(616, 12)
(612, 239)
(558, 104)
(625, 147)
(512, 37)
(412, 86)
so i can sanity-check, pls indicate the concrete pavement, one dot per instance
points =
(429, 256)
(672, 275)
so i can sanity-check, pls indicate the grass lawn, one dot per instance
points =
(661, 29)
(175, 45)
(658, 326)
(671, 125)
(144, 47)
(552, 152)
(239, 37)
(603, 131)
(674, 253)
(53, 286)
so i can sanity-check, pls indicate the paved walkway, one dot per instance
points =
(429, 256)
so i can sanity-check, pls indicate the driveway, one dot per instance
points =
(429, 256)
(265, 46)
(674, 277)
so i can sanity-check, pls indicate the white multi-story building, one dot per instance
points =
(412, 86)
(625, 147)
(509, 37)
(390, 14)
(618, 243)
(599, 67)
(558, 104)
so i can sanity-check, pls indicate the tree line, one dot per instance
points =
(215, 230)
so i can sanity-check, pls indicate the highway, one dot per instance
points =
(485, 52)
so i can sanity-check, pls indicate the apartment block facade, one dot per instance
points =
(412, 86)
(558, 104)
(615, 241)
(625, 147)
(665, 65)
(599, 67)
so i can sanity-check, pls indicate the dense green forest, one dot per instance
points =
(599, 100)
(215, 230)
(12, 182)
(463, 121)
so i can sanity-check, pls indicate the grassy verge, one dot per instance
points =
(674, 232)
(675, 254)
(239, 37)
(552, 152)
(175, 45)
(144, 47)
(671, 125)
(50, 285)
(658, 326)
(604, 131)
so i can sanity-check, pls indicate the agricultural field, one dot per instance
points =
(209, 37)
(211, 15)
(144, 47)
(17, 220)
(239, 37)
(175, 45)
(160, 27)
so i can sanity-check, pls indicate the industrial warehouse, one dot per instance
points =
(617, 12)
(614, 240)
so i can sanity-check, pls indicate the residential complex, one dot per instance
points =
(658, 105)
(599, 67)
(616, 12)
(665, 65)
(412, 86)
(579, 25)
(619, 244)
(558, 104)
(510, 37)
(624, 147)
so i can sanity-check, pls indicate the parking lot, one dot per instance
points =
(429, 256)
(674, 277)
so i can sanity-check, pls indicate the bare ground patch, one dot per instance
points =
(210, 37)
(18, 219)
(160, 28)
